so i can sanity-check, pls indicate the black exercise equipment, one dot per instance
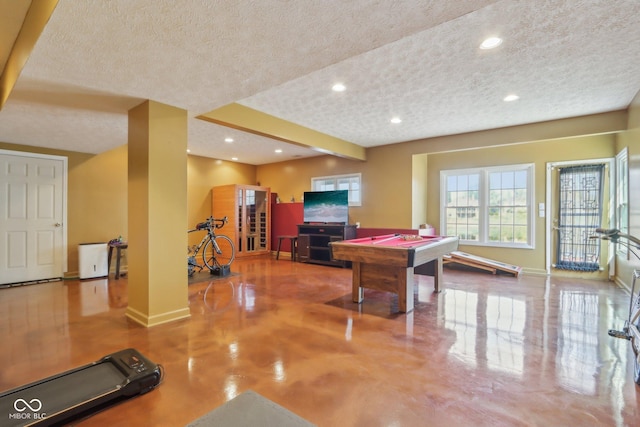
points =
(80, 392)
(631, 329)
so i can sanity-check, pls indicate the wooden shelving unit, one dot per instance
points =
(313, 242)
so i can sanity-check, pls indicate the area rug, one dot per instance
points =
(250, 409)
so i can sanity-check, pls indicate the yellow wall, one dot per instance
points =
(401, 181)
(391, 177)
(393, 173)
(292, 178)
(204, 173)
(539, 153)
(386, 183)
(96, 198)
(97, 193)
(631, 140)
(389, 182)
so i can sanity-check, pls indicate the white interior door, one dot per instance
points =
(32, 217)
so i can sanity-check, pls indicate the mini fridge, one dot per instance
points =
(92, 260)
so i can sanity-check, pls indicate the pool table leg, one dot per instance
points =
(357, 291)
(405, 290)
(437, 275)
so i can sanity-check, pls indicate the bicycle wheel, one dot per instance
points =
(636, 362)
(634, 332)
(220, 254)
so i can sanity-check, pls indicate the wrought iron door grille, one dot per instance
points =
(580, 213)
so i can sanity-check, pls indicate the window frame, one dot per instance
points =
(483, 203)
(622, 197)
(353, 201)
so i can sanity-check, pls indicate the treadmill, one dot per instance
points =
(80, 392)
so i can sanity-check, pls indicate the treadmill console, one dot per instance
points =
(80, 392)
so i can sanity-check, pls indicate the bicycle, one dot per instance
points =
(631, 329)
(219, 250)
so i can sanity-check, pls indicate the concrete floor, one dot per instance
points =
(487, 351)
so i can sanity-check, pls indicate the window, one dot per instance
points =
(622, 197)
(488, 206)
(340, 182)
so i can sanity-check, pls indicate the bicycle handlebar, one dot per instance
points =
(222, 221)
(613, 235)
(211, 223)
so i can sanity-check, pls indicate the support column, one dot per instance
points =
(157, 214)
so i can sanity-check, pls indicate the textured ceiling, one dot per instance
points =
(418, 60)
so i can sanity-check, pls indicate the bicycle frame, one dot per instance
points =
(194, 250)
(209, 225)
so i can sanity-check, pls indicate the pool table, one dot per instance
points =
(387, 262)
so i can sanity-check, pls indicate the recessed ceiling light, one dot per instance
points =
(188, 151)
(510, 98)
(228, 140)
(278, 150)
(234, 159)
(339, 87)
(396, 120)
(490, 43)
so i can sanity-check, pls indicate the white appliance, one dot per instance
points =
(92, 260)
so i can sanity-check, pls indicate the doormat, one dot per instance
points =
(250, 409)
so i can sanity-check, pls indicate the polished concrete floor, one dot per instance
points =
(487, 351)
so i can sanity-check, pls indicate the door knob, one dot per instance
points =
(57, 224)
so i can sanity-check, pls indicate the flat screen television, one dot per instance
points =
(326, 207)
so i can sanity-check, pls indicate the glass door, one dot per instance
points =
(240, 246)
(253, 232)
(250, 219)
(261, 219)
